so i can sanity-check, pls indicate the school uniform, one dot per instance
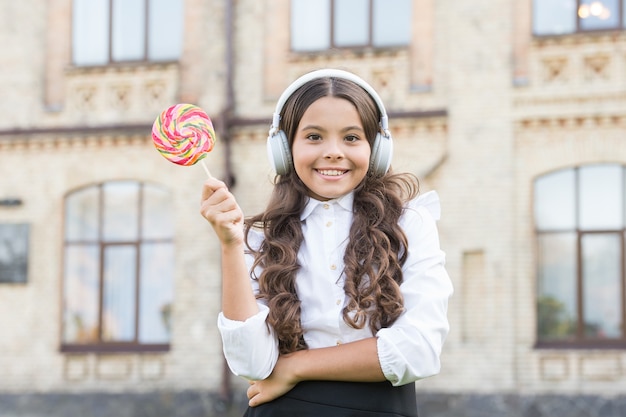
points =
(341, 399)
(408, 350)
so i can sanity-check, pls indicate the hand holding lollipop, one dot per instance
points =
(184, 134)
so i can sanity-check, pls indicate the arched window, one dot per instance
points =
(118, 268)
(580, 217)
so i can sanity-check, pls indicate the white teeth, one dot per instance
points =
(331, 172)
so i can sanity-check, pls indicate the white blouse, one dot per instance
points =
(408, 350)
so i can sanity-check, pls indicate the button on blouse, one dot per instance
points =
(408, 350)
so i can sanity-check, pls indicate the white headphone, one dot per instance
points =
(278, 149)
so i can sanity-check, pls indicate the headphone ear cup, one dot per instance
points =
(382, 152)
(278, 152)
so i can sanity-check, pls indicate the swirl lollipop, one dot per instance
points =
(184, 134)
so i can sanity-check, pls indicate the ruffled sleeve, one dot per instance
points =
(410, 349)
(430, 201)
(250, 346)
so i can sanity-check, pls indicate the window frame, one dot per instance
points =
(101, 345)
(110, 60)
(580, 341)
(332, 42)
(621, 23)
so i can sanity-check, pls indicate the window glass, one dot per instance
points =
(157, 268)
(555, 203)
(118, 283)
(166, 40)
(90, 34)
(13, 252)
(126, 30)
(351, 23)
(129, 22)
(81, 294)
(310, 25)
(355, 23)
(556, 298)
(118, 313)
(554, 17)
(120, 217)
(601, 280)
(156, 215)
(587, 256)
(595, 14)
(600, 197)
(392, 22)
(81, 215)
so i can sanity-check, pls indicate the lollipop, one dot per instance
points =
(183, 134)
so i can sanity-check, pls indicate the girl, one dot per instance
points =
(335, 297)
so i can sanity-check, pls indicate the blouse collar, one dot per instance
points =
(345, 202)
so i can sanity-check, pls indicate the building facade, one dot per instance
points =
(514, 111)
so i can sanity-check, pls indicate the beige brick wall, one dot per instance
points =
(481, 157)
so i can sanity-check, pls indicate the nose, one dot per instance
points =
(333, 150)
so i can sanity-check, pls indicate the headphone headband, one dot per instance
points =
(333, 73)
(278, 148)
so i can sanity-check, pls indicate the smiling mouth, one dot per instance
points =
(331, 172)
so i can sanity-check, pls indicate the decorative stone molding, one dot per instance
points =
(570, 122)
(119, 94)
(114, 367)
(84, 140)
(76, 367)
(151, 367)
(82, 368)
(554, 368)
(597, 67)
(600, 367)
(554, 70)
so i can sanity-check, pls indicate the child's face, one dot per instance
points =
(331, 154)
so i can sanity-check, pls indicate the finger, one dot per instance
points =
(210, 186)
(228, 220)
(257, 400)
(251, 392)
(221, 200)
(222, 195)
(217, 210)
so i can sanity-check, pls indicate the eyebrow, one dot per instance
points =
(345, 129)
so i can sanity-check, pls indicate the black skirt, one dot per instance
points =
(341, 399)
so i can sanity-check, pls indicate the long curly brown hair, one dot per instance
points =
(377, 246)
